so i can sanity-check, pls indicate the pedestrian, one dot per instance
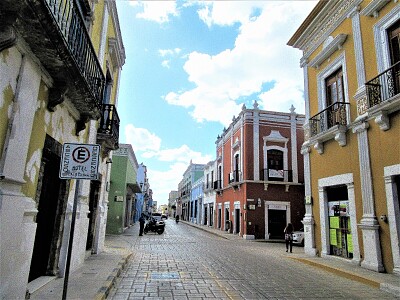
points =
(289, 236)
(142, 220)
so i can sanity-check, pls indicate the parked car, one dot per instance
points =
(298, 237)
(156, 216)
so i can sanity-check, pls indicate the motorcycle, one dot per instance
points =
(177, 219)
(154, 226)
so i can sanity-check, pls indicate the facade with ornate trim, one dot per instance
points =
(351, 65)
(259, 174)
(60, 64)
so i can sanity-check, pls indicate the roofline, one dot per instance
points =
(306, 23)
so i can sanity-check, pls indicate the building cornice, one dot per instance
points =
(320, 23)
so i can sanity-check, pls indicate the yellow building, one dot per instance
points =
(351, 65)
(60, 64)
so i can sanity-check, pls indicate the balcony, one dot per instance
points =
(384, 86)
(335, 114)
(276, 175)
(235, 177)
(108, 132)
(56, 33)
(217, 185)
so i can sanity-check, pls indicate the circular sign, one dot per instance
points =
(80, 154)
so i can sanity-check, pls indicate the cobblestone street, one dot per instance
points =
(188, 263)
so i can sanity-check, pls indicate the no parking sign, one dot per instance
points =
(79, 161)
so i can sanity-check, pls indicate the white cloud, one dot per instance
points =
(165, 63)
(162, 182)
(260, 56)
(141, 139)
(157, 11)
(225, 14)
(167, 52)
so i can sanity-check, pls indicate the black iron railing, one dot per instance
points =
(109, 123)
(276, 175)
(234, 176)
(384, 86)
(335, 114)
(72, 26)
(217, 185)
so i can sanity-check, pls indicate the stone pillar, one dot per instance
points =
(17, 212)
(256, 141)
(293, 137)
(308, 220)
(369, 224)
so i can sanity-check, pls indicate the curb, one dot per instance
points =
(111, 279)
(340, 272)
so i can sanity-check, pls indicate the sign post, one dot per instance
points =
(78, 161)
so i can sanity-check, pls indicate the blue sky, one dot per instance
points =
(191, 65)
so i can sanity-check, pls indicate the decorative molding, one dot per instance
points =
(335, 44)
(336, 13)
(8, 37)
(358, 49)
(56, 96)
(116, 53)
(319, 147)
(337, 132)
(340, 137)
(382, 120)
(373, 8)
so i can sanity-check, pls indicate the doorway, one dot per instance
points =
(276, 223)
(237, 221)
(52, 197)
(93, 205)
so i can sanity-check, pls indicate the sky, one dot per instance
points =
(191, 65)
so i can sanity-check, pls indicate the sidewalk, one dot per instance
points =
(386, 282)
(98, 274)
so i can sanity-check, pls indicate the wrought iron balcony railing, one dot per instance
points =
(72, 26)
(56, 33)
(235, 176)
(276, 175)
(217, 185)
(108, 131)
(384, 86)
(335, 114)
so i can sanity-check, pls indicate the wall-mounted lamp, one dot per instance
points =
(109, 161)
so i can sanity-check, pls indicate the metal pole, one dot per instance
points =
(71, 239)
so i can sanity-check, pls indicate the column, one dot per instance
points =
(256, 141)
(369, 224)
(308, 220)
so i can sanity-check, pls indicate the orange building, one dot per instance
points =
(351, 65)
(259, 174)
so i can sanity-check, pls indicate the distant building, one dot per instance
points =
(259, 174)
(122, 198)
(196, 200)
(209, 194)
(172, 203)
(191, 175)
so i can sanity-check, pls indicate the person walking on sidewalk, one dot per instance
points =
(289, 237)
(142, 220)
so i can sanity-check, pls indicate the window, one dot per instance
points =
(394, 42)
(275, 164)
(334, 88)
(394, 45)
